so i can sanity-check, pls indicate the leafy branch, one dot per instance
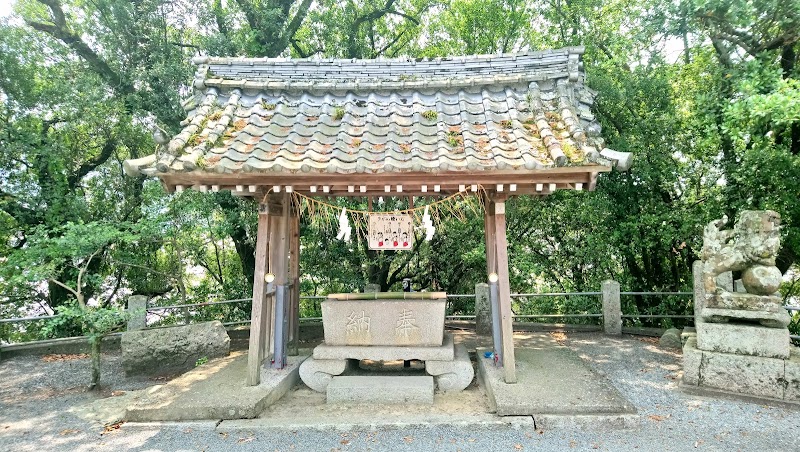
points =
(59, 29)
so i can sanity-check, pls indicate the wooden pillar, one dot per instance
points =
(509, 362)
(294, 277)
(491, 258)
(498, 217)
(259, 319)
(278, 251)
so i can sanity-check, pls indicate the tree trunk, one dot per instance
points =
(94, 342)
(57, 295)
(245, 248)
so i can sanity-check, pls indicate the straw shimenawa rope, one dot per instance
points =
(437, 209)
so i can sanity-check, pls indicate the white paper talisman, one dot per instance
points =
(391, 232)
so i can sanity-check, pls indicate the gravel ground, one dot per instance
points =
(40, 410)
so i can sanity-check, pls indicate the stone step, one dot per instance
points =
(442, 352)
(381, 390)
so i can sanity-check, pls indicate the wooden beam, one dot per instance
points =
(476, 176)
(592, 181)
(504, 289)
(282, 274)
(411, 181)
(489, 239)
(535, 186)
(259, 312)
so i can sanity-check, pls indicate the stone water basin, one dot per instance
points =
(384, 318)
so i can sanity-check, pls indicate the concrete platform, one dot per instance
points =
(383, 390)
(215, 390)
(556, 387)
(306, 409)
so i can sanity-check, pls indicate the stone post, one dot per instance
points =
(372, 287)
(699, 289)
(137, 309)
(612, 310)
(280, 329)
(483, 311)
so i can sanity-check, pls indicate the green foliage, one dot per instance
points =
(66, 256)
(201, 361)
(361, 28)
(713, 120)
(468, 27)
(94, 322)
(454, 138)
(559, 305)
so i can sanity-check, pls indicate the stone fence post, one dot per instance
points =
(699, 287)
(372, 287)
(483, 311)
(612, 309)
(137, 309)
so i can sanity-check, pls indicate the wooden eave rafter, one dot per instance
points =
(541, 182)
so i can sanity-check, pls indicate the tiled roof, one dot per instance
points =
(481, 113)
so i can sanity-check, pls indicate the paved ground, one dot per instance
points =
(43, 407)
(566, 387)
(213, 391)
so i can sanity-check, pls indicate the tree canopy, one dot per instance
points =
(704, 93)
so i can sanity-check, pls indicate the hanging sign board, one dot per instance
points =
(390, 232)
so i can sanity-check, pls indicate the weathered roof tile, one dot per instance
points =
(481, 112)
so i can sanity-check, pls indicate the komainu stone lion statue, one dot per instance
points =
(749, 247)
